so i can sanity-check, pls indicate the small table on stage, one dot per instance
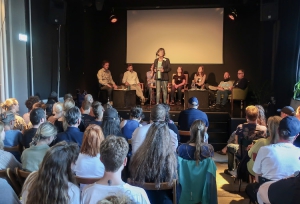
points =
(124, 98)
(200, 94)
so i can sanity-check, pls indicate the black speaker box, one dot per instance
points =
(269, 10)
(57, 12)
(99, 4)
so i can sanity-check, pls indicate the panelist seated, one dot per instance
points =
(151, 83)
(131, 79)
(199, 78)
(178, 83)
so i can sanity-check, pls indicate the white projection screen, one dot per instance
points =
(189, 36)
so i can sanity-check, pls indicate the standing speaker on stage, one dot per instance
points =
(161, 67)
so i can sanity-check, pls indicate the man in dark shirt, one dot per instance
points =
(85, 113)
(241, 82)
(72, 134)
(37, 117)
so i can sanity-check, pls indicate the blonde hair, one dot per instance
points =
(298, 112)
(58, 107)
(44, 131)
(261, 119)
(92, 138)
(252, 113)
(116, 199)
(273, 124)
(7, 104)
(88, 97)
(68, 104)
(1, 129)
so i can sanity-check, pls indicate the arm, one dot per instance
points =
(137, 81)
(111, 79)
(202, 81)
(99, 75)
(167, 67)
(182, 83)
(124, 80)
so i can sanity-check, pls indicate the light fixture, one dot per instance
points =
(233, 14)
(113, 18)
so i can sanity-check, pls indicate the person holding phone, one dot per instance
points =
(161, 68)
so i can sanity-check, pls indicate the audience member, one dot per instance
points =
(116, 199)
(85, 113)
(286, 111)
(178, 83)
(68, 96)
(37, 117)
(200, 78)
(151, 83)
(128, 126)
(57, 113)
(156, 162)
(88, 164)
(111, 123)
(170, 123)
(277, 161)
(196, 148)
(89, 98)
(32, 157)
(113, 151)
(297, 114)
(7, 194)
(158, 113)
(7, 160)
(54, 182)
(273, 138)
(52, 99)
(261, 119)
(98, 111)
(72, 134)
(12, 105)
(29, 103)
(68, 103)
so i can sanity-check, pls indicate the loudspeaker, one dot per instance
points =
(268, 10)
(99, 4)
(57, 12)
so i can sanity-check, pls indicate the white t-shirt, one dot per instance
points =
(89, 167)
(139, 135)
(277, 161)
(96, 192)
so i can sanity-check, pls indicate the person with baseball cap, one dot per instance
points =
(286, 111)
(277, 161)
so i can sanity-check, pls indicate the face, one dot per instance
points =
(16, 107)
(161, 53)
(226, 75)
(283, 115)
(240, 74)
(179, 70)
(106, 65)
(200, 69)
(130, 68)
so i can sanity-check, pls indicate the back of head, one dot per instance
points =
(7, 117)
(193, 102)
(111, 122)
(89, 98)
(160, 164)
(40, 105)
(36, 115)
(158, 113)
(251, 113)
(98, 109)
(43, 188)
(68, 96)
(136, 112)
(92, 138)
(68, 103)
(261, 119)
(58, 108)
(44, 131)
(273, 124)
(289, 127)
(113, 151)
(197, 132)
(116, 199)
(86, 105)
(72, 115)
(30, 101)
(167, 108)
(7, 104)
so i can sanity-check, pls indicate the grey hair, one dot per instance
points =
(158, 113)
(7, 117)
(1, 129)
(44, 131)
(72, 115)
(88, 97)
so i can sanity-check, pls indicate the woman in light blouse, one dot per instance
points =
(200, 78)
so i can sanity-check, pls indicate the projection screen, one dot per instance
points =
(189, 36)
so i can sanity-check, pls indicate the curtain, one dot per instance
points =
(3, 54)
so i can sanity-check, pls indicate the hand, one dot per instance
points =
(126, 83)
(220, 88)
(154, 69)
(175, 86)
(230, 88)
(115, 86)
(249, 147)
(108, 85)
(162, 69)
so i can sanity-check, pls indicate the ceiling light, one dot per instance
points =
(113, 18)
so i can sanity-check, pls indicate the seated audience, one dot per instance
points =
(113, 151)
(29, 103)
(158, 113)
(12, 105)
(273, 137)
(72, 134)
(88, 163)
(68, 103)
(32, 157)
(286, 111)
(97, 110)
(155, 162)
(170, 123)
(200, 78)
(116, 199)
(85, 113)
(196, 148)
(41, 187)
(38, 105)
(52, 99)
(7, 194)
(178, 83)
(89, 98)
(111, 123)
(57, 112)
(128, 126)
(277, 161)
(68, 96)
(7, 160)
(37, 117)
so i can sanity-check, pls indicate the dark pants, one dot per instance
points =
(178, 91)
(225, 94)
(108, 89)
(251, 191)
(231, 151)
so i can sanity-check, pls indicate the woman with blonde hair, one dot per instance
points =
(88, 163)
(58, 115)
(155, 162)
(33, 156)
(54, 182)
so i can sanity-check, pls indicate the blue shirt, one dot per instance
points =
(187, 151)
(188, 116)
(72, 134)
(12, 138)
(129, 128)
(96, 122)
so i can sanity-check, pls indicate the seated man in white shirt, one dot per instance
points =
(158, 113)
(277, 161)
(113, 151)
(131, 79)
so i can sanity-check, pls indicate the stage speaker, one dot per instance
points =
(268, 10)
(57, 12)
(99, 4)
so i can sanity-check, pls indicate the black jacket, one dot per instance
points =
(167, 68)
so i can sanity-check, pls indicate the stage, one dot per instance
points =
(221, 122)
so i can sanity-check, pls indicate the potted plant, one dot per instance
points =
(295, 102)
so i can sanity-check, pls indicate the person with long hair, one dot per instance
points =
(161, 68)
(111, 122)
(88, 163)
(273, 138)
(32, 157)
(200, 78)
(261, 119)
(196, 149)
(178, 83)
(129, 126)
(116, 199)
(54, 182)
(97, 110)
(155, 162)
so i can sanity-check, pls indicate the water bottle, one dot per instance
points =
(193, 85)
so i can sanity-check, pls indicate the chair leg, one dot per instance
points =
(242, 104)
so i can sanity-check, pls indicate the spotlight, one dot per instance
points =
(233, 14)
(113, 18)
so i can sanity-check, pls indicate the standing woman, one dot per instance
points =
(200, 78)
(161, 68)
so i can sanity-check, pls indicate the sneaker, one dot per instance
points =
(172, 103)
(233, 173)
